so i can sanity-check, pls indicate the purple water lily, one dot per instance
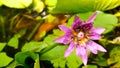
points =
(80, 37)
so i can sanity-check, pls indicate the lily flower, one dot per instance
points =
(81, 37)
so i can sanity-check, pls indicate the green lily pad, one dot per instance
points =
(78, 6)
(4, 59)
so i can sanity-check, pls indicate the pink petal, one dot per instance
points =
(84, 59)
(94, 36)
(87, 26)
(64, 28)
(77, 22)
(82, 52)
(92, 47)
(98, 30)
(91, 19)
(99, 47)
(69, 49)
(61, 39)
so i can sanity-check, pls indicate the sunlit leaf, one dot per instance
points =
(58, 32)
(13, 42)
(117, 14)
(50, 18)
(2, 45)
(42, 34)
(106, 4)
(38, 5)
(4, 59)
(34, 46)
(20, 57)
(77, 6)
(0, 3)
(16, 3)
(51, 4)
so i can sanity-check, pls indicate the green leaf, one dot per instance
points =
(16, 3)
(37, 62)
(85, 16)
(13, 42)
(73, 63)
(50, 39)
(101, 61)
(38, 5)
(107, 21)
(2, 45)
(4, 59)
(60, 62)
(77, 6)
(13, 64)
(21, 56)
(90, 66)
(72, 6)
(34, 46)
(54, 53)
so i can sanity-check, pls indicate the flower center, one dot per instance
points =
(79, 38)
(80, 35)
